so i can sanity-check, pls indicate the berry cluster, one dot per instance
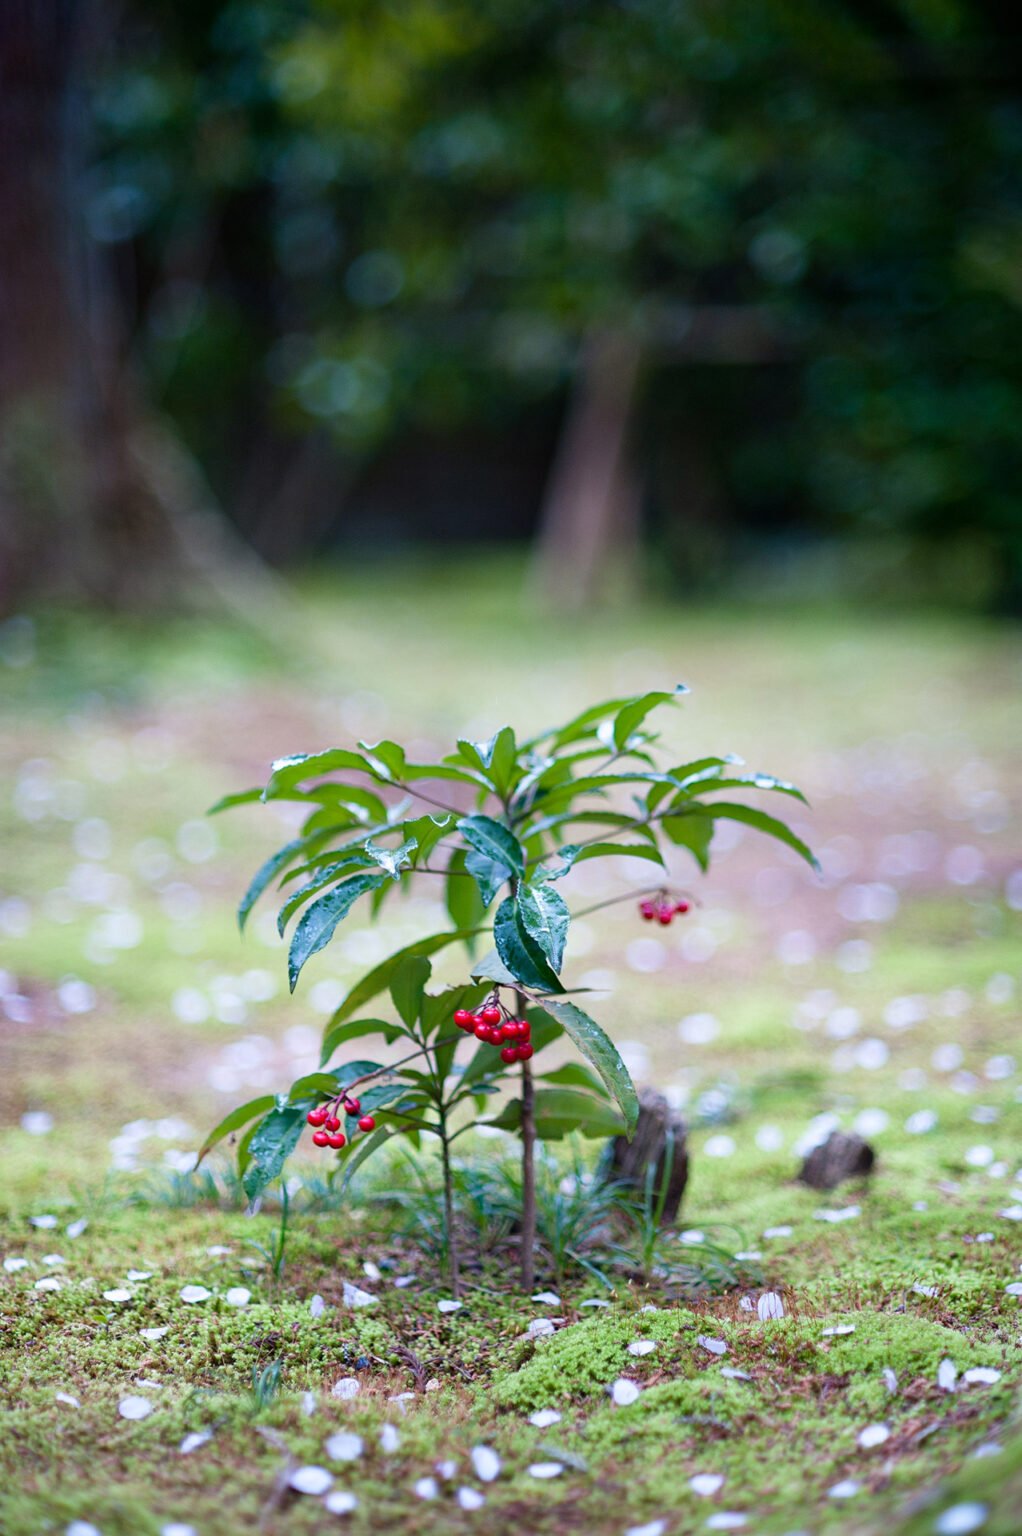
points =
(662, 907)
(326, 1120)
(495, 1026)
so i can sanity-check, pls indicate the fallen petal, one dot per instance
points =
(346, 1388)
(134, 1407)
(544, 1417)
(344, 1446)
(624, 1392)
(545, 1469)
(314, 1480)
(485, 1463)
(340, 1502)
(706, 1484)
(194, 1293)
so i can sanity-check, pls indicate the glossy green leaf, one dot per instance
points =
(766, 781)
(363, 1150)
(544, 915)
(316, 927)
(495, 840)
(266, 873)
(686, 774)
(492, 968)
(488, 874)
(336, 1035)
(519, 951)
(762, 822)
(461, 893)
(427, 832)
(572, 1074)
(386, 758)
(235, 1120)
(326, 876)
(289, 771)
(599, 1050)
(635, 711)
(693, 831)
(271, 1146)
(392, 860)
(559, 1112)
(501, 758)
(416, 771)
(240, 797)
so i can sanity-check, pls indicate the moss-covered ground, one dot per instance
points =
(885, 997)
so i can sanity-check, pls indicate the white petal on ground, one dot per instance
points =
(50, 1283)
(873, 1435)
(390, 1440)
(715, 1346)
(449, 1306)
(706, 1484)
(540, 1328)
(176, 1528)
(960, 1519)
(344, 1446)
(623, 1392)
(192, 1442)
(134, 1407)
(988, 1448)
(218, 1251)
(485, 1463)
(76, 1228)
(346, 1388)
(426, 1488)
(839, 1332)
(847, 1489)
(981, 1376)
(340, 1502)
(947, 1375)
(372, 1271)
(727, 1520)
(733, 1374)
(82, 1528)
(845, 1213)
(770, 1305)
(135, 1275)
(548, 1298)
(152, 1333)
(653, 1528)
(1014, 1289)
(446, 1470)
(470, 1498)
(544, 1417)
(44, 1223)
(778, 1231)
(120, 1294)
(924, 1290)
(403, 1280)
(308, 1404)
(238, 1296)
(314, 1480)
(594, 1301)
(317, 1306)
(354, 1297)
(65, 1397)
(13, 1265)
(194, 1293)
(52, 1260)
(642, 1347)
(545, 1469)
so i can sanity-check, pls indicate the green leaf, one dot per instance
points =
(461, 892)
(407, 985)
(288, 771)
(392, 859)
(711, 784)
(573, 1074)
(636, 710)
(427, 832)
(265, 873)
(336, 1035)
(576, 853)
(689, 773)
(239, 797)
(599, 1050)
(495, 840)
(386, 758)
(364, 1150)
(316, 928)
(492, 968)
(270, 1148)
(583, 725)
(519, 951)
(415, 771)
(500, 756)
(235, 1120)
(325, 877)
(560, 1111)
(545, 917)
(762, 822)
(693, 831)
(488, 874)
(378, 979)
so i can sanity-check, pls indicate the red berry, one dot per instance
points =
(337, 1141)
(464, 1018)
(664, 915)
(647, 909)
(509, 1054)
(491, 1014)
(332, 1123)
(321, 1138)
(496, 1035)
(682, 906)
(523, 1052)
(481, 1031)
(352, 1106)
(316, 1116)
(367, 1123)
(524, 1029)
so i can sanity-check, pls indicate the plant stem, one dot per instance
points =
(528, 1230)
(452, 1238)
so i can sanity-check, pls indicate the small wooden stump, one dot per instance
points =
(629, 1161)
(842, 1156)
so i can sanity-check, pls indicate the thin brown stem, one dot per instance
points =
(453, 1267)
(528, 1229)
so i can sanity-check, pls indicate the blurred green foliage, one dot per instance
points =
(373, 218)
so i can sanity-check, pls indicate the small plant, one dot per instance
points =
(275, 1253)
(266, 1384)
(535, 809)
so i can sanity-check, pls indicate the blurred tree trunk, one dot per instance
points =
(589, 524)
(96, 499)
